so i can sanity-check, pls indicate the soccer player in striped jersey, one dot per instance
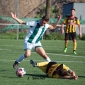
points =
(32, 39)
(55, 70)
(70, 31)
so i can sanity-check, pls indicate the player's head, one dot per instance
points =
(63, 72)
(73, 12)
(44, 20)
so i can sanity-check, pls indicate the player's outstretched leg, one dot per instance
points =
(21, 58)
(16, 63)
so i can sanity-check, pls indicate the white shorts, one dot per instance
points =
(31, 46)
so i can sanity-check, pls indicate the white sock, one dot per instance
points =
(20, 58)
(48, 59)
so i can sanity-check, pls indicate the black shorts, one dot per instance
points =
(70, 36)
(49, 65)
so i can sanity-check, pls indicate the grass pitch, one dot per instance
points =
(10, 50)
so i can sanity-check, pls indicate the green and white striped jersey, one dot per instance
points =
(36, 31)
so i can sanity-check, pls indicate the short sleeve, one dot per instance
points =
(47, 25)
(66, 68)
(65, 20)
(31, 23)
(77, 22)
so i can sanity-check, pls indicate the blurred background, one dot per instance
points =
(28, 10)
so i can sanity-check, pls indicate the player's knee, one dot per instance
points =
(27, 55)
(74, 40)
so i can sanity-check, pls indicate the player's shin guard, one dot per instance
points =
(22, 57)
(74, 45)
(66, 44)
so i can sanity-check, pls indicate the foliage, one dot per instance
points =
(41, 11)
(53, 36)
(12, 35)
(53, 11)
(22, 35)
(8, 35)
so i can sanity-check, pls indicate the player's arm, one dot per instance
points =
(80, 31)
(69, 77)
(31, 23)
(53, 26)
(79, 27)
(62, 26)
(17, 19)
(73, 74)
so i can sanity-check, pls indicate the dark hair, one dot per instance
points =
(46, 18)
(60, 71)
(63, 72)
(73, 9)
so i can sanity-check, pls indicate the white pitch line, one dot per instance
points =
(66, 55)
(54, 54)
(6, 49)
(6, 60)
(49, 53)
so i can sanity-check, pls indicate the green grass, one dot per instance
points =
(10, 50)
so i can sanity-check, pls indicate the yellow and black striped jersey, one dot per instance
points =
(71, 24)
(53, 68)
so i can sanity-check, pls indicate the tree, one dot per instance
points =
(47, 12)
(48, 6)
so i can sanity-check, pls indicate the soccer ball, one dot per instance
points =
(20, 72)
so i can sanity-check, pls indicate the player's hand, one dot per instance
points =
(80, 35)
(76, 77)
(62, 31)
(59, 17)
(13, 15)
